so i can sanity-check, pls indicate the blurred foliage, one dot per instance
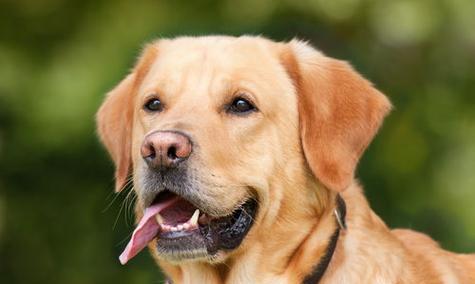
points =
(58, 58)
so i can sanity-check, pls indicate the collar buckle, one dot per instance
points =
(339, 219)
(340, 212)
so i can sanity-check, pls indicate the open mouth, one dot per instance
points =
(182, 231)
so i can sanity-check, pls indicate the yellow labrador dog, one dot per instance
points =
(242, 153)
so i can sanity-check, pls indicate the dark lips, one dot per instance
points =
(224, 233)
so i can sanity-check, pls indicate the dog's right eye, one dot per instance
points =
(241, 106)
(153, 105)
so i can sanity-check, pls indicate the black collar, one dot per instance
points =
(319, 270)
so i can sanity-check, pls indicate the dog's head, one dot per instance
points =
(221, 135)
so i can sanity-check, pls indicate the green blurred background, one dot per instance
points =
(60, 221)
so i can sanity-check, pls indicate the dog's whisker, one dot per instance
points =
(126, 205)
(129, 213)
(127, 188)
(117, 217)
(116, 195)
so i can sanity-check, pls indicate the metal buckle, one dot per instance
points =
(340, 221)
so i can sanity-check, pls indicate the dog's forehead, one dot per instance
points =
(217, 50)
(214, 62)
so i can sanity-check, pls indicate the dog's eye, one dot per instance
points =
(153, 105)
(241, 105)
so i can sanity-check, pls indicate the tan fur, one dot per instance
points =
(316, 116)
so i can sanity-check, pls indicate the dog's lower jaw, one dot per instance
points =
(264, 248)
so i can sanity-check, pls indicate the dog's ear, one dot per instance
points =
(115, 117)
(114, 125)
(339, 112)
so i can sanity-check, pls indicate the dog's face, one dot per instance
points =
(220, 133)
(216, 95)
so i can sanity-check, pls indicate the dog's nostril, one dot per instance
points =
(151, 151)
(171, 153)
(149, 154)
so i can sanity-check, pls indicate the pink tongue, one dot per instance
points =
(146, 231)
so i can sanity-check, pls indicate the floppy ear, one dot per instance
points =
(114, 125)
(115, 116)
(339, 112)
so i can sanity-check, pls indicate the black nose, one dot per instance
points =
(165, 149)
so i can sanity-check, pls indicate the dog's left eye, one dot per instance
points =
(241, 105)
(153, 105)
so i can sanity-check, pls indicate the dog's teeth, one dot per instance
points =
(186, 226)
(159, 218)
(194, 219)
(180, 227)
(174, 229)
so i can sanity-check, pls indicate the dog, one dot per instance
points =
(242, 153)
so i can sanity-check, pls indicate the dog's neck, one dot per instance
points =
(280, 248)
(319, 270)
